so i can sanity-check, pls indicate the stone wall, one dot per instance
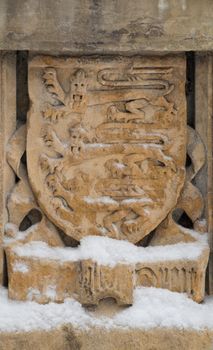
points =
(93, 26)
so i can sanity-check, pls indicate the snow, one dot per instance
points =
(183, 5)
(21, 267)
(97, 145)
(151, 308)
(14, 235)
(33, 292)
(10, 227)
(148, 145)
(109, 252)
(20, 200)
(109, 200)
(104, 199)
(119, 165)
(146, 211)
(161, 308)
(51, 292)
(163, 5)
(137, 200)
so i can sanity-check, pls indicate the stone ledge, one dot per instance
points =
(68, 338)
(107, 26)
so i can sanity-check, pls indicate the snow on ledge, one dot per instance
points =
(151, 308)
(108, 251)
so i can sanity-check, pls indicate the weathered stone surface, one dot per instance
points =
(107, 137)
(106, 26)
(41, 280)
(178, 276)
(21, 203)
(190, 200)
(204, 125)
(68, 338)
(97, 282)
(7, 127)
(44, 278)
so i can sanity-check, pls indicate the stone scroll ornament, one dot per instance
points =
(106, 142)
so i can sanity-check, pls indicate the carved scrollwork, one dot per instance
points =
(143, 77)
(190, 200)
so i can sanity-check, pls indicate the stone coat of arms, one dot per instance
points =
(106, 144)
(108, 154)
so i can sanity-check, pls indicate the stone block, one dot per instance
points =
(62, 273)
(97, 282)
(107, 26)
(70, 338)
(185, 276)
(41, 280)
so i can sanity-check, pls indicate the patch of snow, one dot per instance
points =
(20, 267)
(146, 211)
(104, 199)
(108, 251)
(97, 145)
(119, 165)
(200, 237)
(183, 5)
(202, 222)
(161, 308)
(20, 200)
(103, 231)
(9, 226)
(51, 292)
(137, 200)
(13, 234)
(33, 292)
(163, 5)
(151, 308)
(149, 145)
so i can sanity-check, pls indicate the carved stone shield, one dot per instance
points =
(106, 142)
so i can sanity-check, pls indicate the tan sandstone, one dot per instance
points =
(68, 338)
